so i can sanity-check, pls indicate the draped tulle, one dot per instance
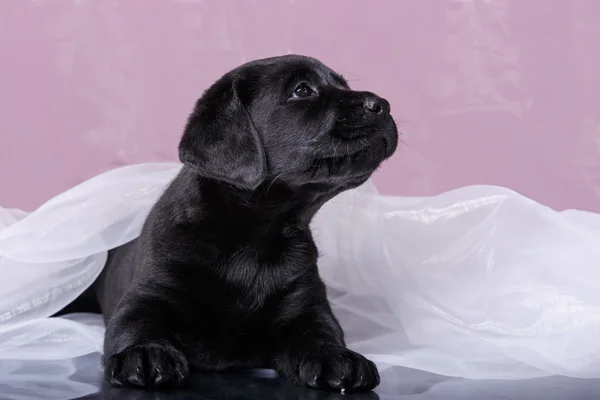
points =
(478, 282)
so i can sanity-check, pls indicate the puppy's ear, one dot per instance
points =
(220, 142)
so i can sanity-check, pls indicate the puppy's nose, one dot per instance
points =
(377, 105)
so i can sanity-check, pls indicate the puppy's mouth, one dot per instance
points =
(353, 141)
(347, 143)
(373, 147)
(343, 147)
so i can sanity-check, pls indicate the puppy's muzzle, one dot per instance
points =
(364, 108)
(363, 115)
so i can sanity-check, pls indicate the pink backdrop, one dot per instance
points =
(503, 92)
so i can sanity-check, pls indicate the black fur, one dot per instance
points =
(224, 274)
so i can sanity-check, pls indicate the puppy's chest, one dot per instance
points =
(269, 262)
(251, 288)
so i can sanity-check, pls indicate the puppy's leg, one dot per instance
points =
(140, 348)
(313, 353)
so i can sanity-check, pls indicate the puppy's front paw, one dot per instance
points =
(335, 369)
(147, 366)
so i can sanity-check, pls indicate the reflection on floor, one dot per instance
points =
(81, 379)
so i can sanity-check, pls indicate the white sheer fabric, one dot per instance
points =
(478, 282)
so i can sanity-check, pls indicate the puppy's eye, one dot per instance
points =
(303, 90)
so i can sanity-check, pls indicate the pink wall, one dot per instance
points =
(502, 92)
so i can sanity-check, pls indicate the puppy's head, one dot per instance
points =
(289, 119)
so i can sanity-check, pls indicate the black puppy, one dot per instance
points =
(224, 274)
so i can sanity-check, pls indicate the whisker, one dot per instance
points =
(402, 138)
(271, 184)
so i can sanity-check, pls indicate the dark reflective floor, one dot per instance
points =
(81, 379)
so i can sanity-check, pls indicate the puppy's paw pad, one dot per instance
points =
(338, 369)
(147, 366)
